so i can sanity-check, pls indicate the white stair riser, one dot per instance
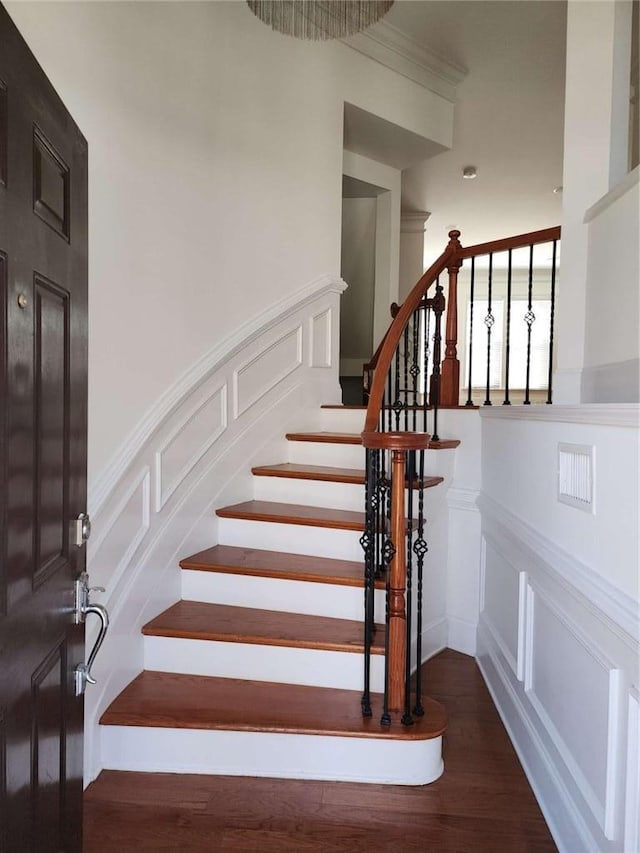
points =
(323, 453)
(349, 759)
(288, 596)
(290, 538)
(438, 463)
(309, 492)
(282, 664)
(342, 420)
(335, 495)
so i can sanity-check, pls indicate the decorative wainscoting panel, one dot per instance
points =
(191, 457)
(255, 378)
(188, 442)
(563, 675)
(320, 338)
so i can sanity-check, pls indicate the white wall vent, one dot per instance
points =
(575, 475)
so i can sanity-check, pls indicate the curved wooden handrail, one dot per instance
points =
(532, 238)
(396, 329)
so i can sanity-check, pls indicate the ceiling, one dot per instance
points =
(508, 117)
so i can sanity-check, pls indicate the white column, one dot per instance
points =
(412, 228)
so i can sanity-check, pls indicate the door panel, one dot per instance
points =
(43, 421)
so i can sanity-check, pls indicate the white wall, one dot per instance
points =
(559, 621)
(215, 173)
(612, 329)
(595, 145)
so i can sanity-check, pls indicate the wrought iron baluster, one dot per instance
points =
(397, 402)
(426, 337)
(553, 304)
(419, 549)
(405, 390)
(368, 546)
(529, 319)
(389, 401)
(507, 401)
(415, 368)
(438, 309)
(471, 297)
(489, 320)
(407, 719)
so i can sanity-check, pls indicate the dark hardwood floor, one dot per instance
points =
(482, 803)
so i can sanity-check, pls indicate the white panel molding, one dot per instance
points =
(240, 405)
(163, 493)
(143, 578)
(597, 414)
(632, 793)
(525, 620)
(385, 44)
(604, 812)
(320, 340)
(498, 639)
(594, 808)
(567, 823)
(220, 354)
(140, 482)
(621, 611)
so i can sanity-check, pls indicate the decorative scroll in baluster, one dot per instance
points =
(438, 309)
(471, 302)
(529, 319)
(489, 320)
(367, 541)
(507, 349)
(450, 379)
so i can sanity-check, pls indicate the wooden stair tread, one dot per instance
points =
(309, 516)
(171, 700)
(229, 559)
(312, 516)
(197, 620)
(354, 438)
(325, 473)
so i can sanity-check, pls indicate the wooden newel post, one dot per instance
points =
(397, 586)
(450, 374)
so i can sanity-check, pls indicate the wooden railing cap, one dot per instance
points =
(375, 440)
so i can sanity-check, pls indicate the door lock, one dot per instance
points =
(80, 529)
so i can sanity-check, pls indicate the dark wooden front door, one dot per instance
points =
(43, 426)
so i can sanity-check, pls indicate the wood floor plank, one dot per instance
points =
(198, 620)
(277, 564)
(475, 807)
(171, 700)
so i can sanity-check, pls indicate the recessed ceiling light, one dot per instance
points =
(469, 173)
(557, 190)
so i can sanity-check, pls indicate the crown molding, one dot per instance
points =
(390, 47)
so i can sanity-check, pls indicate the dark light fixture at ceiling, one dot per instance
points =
(319, 19)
